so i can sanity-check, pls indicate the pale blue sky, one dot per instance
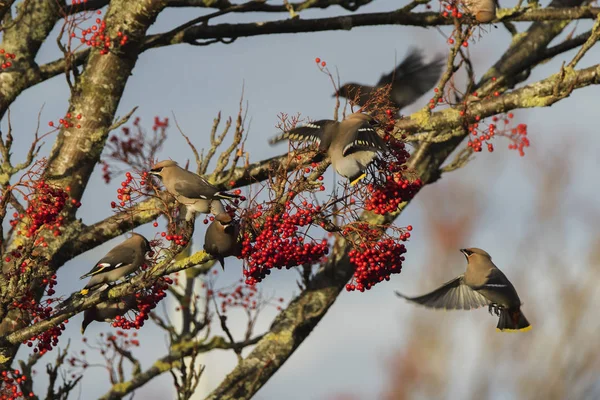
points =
(279, 75)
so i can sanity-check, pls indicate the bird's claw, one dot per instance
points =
(494, 309)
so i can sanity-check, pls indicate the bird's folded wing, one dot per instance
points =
(365, 137)
(453, 295)
(412, 78)
(195, 187)
(116, 258)
(311, 132)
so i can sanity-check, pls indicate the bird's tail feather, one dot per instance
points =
(512, 320)
(278, 138)
(226, 196)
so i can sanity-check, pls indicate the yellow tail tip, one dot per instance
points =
(527, 328)
(84, 291)
(360, 178)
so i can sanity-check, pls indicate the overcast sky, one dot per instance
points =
(279, 75)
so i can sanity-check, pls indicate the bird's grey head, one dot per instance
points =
(475, 252)
(224, 219)
(145, 241)
(158, 168)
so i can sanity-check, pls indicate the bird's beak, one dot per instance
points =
(464, 251)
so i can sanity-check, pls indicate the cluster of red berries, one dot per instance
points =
(158, 124)
(477, 142)
(519, 139)
(146, 300)
(451, 9)
(7, 57)
(67, 121)
(44, 206)
(130, 187)
(375, 263)
(242, 296)
(385, 197)
(96, 36)
(278, 243)
(10, 385)
(177, 239)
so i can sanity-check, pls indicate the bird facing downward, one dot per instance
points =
(411, 79)
(122, 260)
(222, 238)
(108, 311)
(483, 284)
(191, 190)
(350, 144)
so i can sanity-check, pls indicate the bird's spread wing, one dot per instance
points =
(365, 137)
(195, 187)
(453, 295)
(116, 258)
(412, 78)
(311, 132)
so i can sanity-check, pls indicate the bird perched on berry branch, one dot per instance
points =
(191, 190)
(483, 284)
(350, 144)
(122, 260)
(108, 311)
(222, 238)
(410, 80)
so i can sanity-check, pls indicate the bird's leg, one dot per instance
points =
(495, 309)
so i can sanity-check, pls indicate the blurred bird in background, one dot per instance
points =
(410, 80)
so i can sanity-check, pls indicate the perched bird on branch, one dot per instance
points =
(483, 284)
(484, 11)
(351, 144)
(222, 238)
(122, 260)
(191, 190)
(108, 311)
(410, 80)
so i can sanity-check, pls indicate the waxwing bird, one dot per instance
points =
(410, 80)
(122, 260)
(350, 144)
(191, 190)
(108, 311)
(222, 238)
(483, 284)
(484, 11)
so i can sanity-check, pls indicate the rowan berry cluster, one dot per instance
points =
(66, 122)
(279, 242)
(10, 385)
(97, 37)
(392, 188)
(375, 262)
(146, 301)
(134, 147)
(45, 204)
(6, 57)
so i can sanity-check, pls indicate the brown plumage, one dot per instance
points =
(108, 311)
(351, 144)
(482, 284)
(122, 260)
(191, 190)
(222, 238)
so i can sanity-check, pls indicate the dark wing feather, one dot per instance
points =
(453, 295)
(310, 132)
(195, 187)
(365, 137)
(116, 258)
(412, 78)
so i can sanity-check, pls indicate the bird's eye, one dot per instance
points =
(468, 252)
(156, 169)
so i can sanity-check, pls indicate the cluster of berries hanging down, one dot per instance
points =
(10, 385)
(146, 301)
(279, 243)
